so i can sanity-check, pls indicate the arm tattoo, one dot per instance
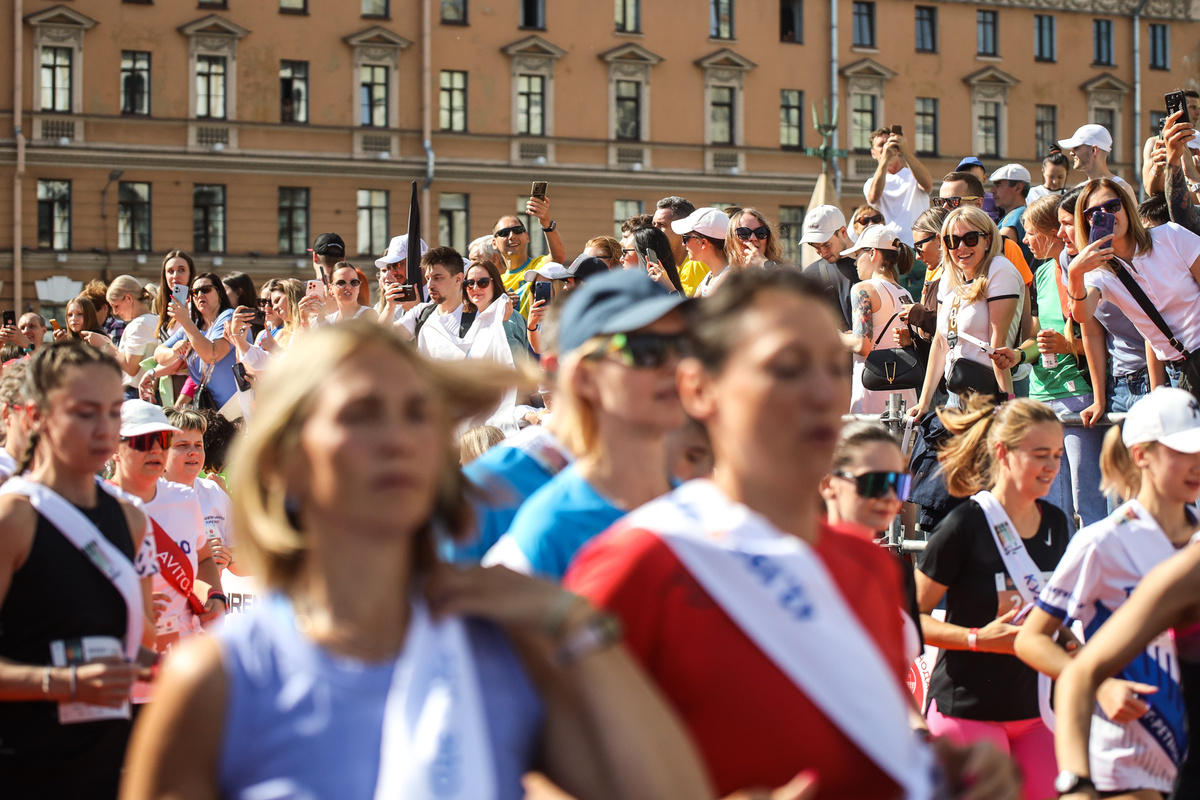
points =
(863, 325)
(1179, 200)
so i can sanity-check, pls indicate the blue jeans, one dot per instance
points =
(1174, 373)
(1125, 390)
(1076, 490)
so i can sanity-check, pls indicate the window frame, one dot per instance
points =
(619, 102)
(524, 114)
(60, 212)
(298, 233)
(721, 20)
(538, 9)
(132, 71)
(223, 220)
(731, 105)
(206, 79)
(1102, 43)
(368, 104)
(621, 13)
(293, 65)
(794, 8)
(857, 144)
(791, 220)
(620, 207)
(1163, 63)
(917, 133)
(451, 92)
(1039, 32)
(463, 4)
(301, 11)
(375, 215)
(996, 133)
(797, 125)
(449, 219)
(931, 23)
(56, 92)
(126, 209)
(1040, 137)
(365, 14)
(987, 25)
(863, 11)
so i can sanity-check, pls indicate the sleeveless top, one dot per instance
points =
(883, 323)
(301, 722)
(59, 594)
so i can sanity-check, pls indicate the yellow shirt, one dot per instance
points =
(691, 272)
(514, 281)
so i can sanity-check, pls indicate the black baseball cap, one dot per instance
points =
(585, 266)
(328, 244)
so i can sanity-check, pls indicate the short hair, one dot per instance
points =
(219, 436)
(40, 319)
(1154, 209)
(96, 291)
(187, 419)
(446, 257)
(680, 207)
(606, 247)
(1192, 93)
(637, 221)
(884, 132)
(974, 185)
(485, 245)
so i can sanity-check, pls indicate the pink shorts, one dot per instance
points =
(1028, 741)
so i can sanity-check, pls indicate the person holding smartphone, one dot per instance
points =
(200, 341)
(131, 302)
(901, 184)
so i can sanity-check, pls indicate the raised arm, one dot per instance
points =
(540, 208)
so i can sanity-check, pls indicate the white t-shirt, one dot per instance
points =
(1004, 281)
(708, 284)
(216, 507)
(138, 340)
(1116, 179)
(1038, 192)
(337, 315)
(1102, 565)
(176, 509)
(902, 201)
(1164, 274)
(450, 322)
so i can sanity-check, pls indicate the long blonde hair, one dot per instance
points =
(969, 459)
(1118, 472)
(978, 221)
(127, 285)
(733, 245)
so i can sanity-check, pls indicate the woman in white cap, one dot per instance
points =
(877, 301)
(704, 232)
(1152, 461)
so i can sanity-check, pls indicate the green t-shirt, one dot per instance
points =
(1065, 380)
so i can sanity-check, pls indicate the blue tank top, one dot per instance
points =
(302, 723)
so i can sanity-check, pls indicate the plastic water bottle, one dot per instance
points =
(1049, 360)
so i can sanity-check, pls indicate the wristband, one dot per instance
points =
(973, 640)
(1023, 358)
(1078, 299)
(219, 596)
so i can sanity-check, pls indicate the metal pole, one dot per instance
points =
(1137, 96)
(19, 135)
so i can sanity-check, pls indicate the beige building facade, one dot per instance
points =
(239, 129)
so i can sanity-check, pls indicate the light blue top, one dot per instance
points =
(221, 381)
(301, 723)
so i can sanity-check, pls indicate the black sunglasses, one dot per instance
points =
(144, 442)
(1111, 206)
(482, 283)
(504, 233)
(646, 350)
(761, 233)
(877, 484)
(264, 302)
(205, 289)
(925, 241)
(970, 239)
(952, 202)
(874, 219)
(353, 282)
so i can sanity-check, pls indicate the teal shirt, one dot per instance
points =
(1065, 380)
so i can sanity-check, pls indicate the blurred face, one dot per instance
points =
(1099, 198)
(1043, 245)
(481, 295)
(928, 246)
(1174, 475)
(509, 238)
(1066, 231)
(831, 250)
(178, 273)
(663, 217)
(273, 318)
(1007, 194)
(1193, 109)
(185, 457)
(345, 283)
(754, 229)
(1054, 177)
(204, 297)
(74, 317)
(1033, 465)
(842, 500)
(31, 325)
(966, 257)
(81, 421)
(279, 305)
(442, 285)
(689, 453)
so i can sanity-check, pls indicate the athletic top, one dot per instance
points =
(59, 594)
(301, 722)
(962, 556)
(216, 508)
(176, 509)
(753, 726)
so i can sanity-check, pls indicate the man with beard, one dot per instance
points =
(443, 268)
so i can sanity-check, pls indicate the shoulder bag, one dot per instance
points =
(893, 369)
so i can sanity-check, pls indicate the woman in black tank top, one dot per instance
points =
(50, 591)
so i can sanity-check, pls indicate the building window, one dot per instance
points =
(791, 116)
(791, 218)
(533, 14)
(862, 121)
(293, 91)
(213, 4)
(133, 216)
(926, 29)
(988, 123)
(293, 6)
(986, 40)
(375, 8)
(1160, 47)
(208, 219)
(373, 95)
(135, 82)
(623, 210)
(864, 25)
(1102, 42)
(453, 227)
(210, 87)
(629, 110)
(721, 114)
(56, 79)
(1045, 129)
(454, 100)
(293, 220)
(531, 104)
(720, 19)
(454, 12)
(54, 215)
(629, 17)
(1106, 117)
(1045, 42)
(791, 21)
(372, 221)
(926, 135)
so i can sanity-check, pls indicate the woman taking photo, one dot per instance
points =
(752, 241)
(284, 298)
(666, 273)
(178, 269)
(51, 592)
(131, 303)
(1152, 460)
(200, 340)
(927, 244)
(881, 258)
(345, 476)
(481, 287)
(988, 559)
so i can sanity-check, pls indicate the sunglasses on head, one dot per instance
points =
(482, 283)
(204, 289)
(504, 233)
(925, 241)
(761, 233)
(353, 282)
(873, 219)
(144, 442)
(873, 485)
(646, 350)
(1111, 206)
(953, 202)
(970, 239)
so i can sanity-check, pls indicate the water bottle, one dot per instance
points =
(1049, 360)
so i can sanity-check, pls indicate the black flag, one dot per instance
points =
(414, 239)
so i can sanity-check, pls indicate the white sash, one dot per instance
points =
(436, 744)
(779, 593)
(104, 555)
(1026, 577)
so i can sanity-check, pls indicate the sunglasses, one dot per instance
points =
(199, 290)
(761, 233)
(873, 485)
(953, 202)
(646, 350)
(1112, 207)
(925, 241)
(625, 250)
(504, 233)
(970, 239)
(264, 302)
(482, 283)
(353, 283)
(144, 442)
(874, 219)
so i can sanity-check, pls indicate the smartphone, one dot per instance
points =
(10, 318)
(315, 289)
(408, 293)
(259, 319)
(239, 377)
(54, 324)
(542, 290)
(898, 130)
(180, 293)
(538, 190)
(1176, 101)
(652, 257)
(1102, 225)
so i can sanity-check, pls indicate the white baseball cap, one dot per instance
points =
(1168, 416)
(876, 237)
(710, 222)
(1094, 135)
(398, 251)
(821, 223)
(138, 417)
(1011, 172)
(551, 270)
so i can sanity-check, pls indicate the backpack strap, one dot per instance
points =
(468, 317)
(1142, 300)
(423, 315)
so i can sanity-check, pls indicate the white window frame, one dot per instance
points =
(990, 85)
(59, 27)
(725, 68)
(534, 55)
(869, 77)
(213, 36)
(630, 62)
(1108, 92)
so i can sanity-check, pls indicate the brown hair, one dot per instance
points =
(163, 298)
(1042, 214)
(1083, 226)
(497, 283)
(606, 248)
(90, 321)
(968, 460)
(854, 437)
(476, 441)
(96, 291)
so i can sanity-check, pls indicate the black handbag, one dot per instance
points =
(204, 401)
(893, 369)
(1190, 379)
(970, 376)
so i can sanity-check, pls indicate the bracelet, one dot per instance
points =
(556, 617)
(1023, 357)
(599, 632)
(46, 682)
(1078, 299)
(219, 596)
(73, 686)
(973, 640)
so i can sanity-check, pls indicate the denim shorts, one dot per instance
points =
(1125, 390)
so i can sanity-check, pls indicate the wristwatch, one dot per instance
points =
(1068, 782)
(553, 226)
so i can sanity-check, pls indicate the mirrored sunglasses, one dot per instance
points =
(873, 485)
(144, 442)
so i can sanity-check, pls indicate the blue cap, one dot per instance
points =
(621, 301)
(969, 161)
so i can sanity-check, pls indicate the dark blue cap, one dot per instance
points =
(969, 161)
(621, 301)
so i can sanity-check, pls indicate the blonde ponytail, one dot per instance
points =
(1118, 473)
(968, 460)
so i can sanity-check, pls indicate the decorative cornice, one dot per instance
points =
(1106, 83)
(868, 68)
(725, 59)
(631, 53)
(377, 36)
(61, 15)
(213, 25)
(1154, 9)
(534, 46)
(990, 75)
